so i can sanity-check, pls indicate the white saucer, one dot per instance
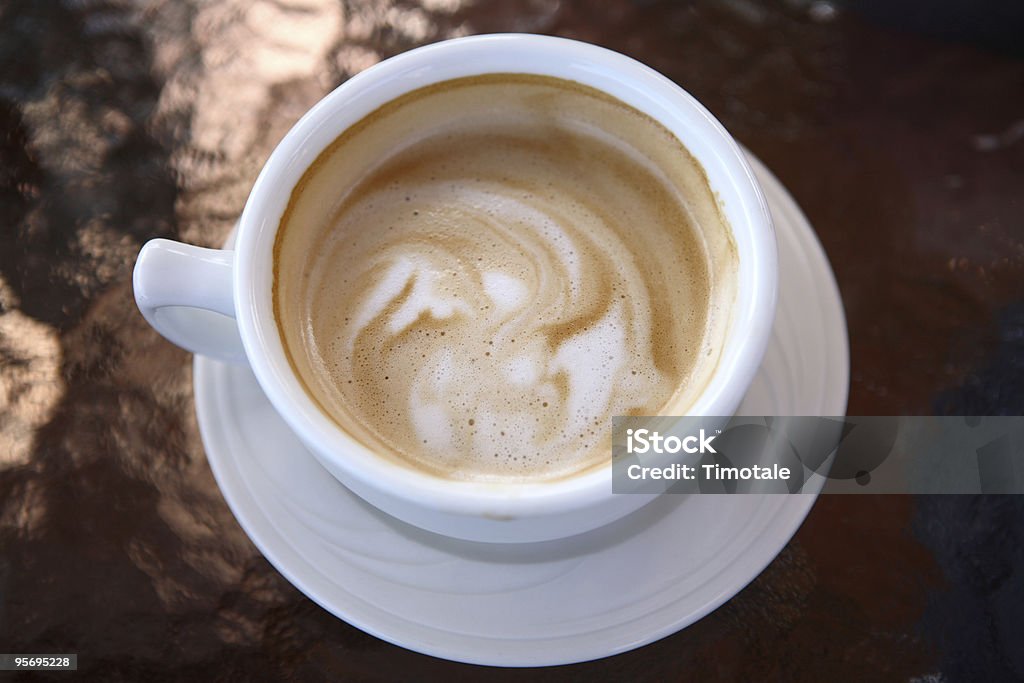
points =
(594, 595)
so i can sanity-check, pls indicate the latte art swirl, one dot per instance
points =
(496, 322)
(487, 296)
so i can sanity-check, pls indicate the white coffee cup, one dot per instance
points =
(218, 302)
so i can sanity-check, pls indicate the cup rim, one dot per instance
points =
(751, 314)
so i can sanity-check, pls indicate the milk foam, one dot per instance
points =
(499, 278)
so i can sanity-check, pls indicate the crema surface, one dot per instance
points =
(476, 277)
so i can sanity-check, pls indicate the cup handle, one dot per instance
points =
(186, 293)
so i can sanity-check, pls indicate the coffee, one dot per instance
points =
(478, 275)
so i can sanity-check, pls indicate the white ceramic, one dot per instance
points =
(170, 277)
(597, 594)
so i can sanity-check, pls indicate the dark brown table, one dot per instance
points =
(900, 134)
